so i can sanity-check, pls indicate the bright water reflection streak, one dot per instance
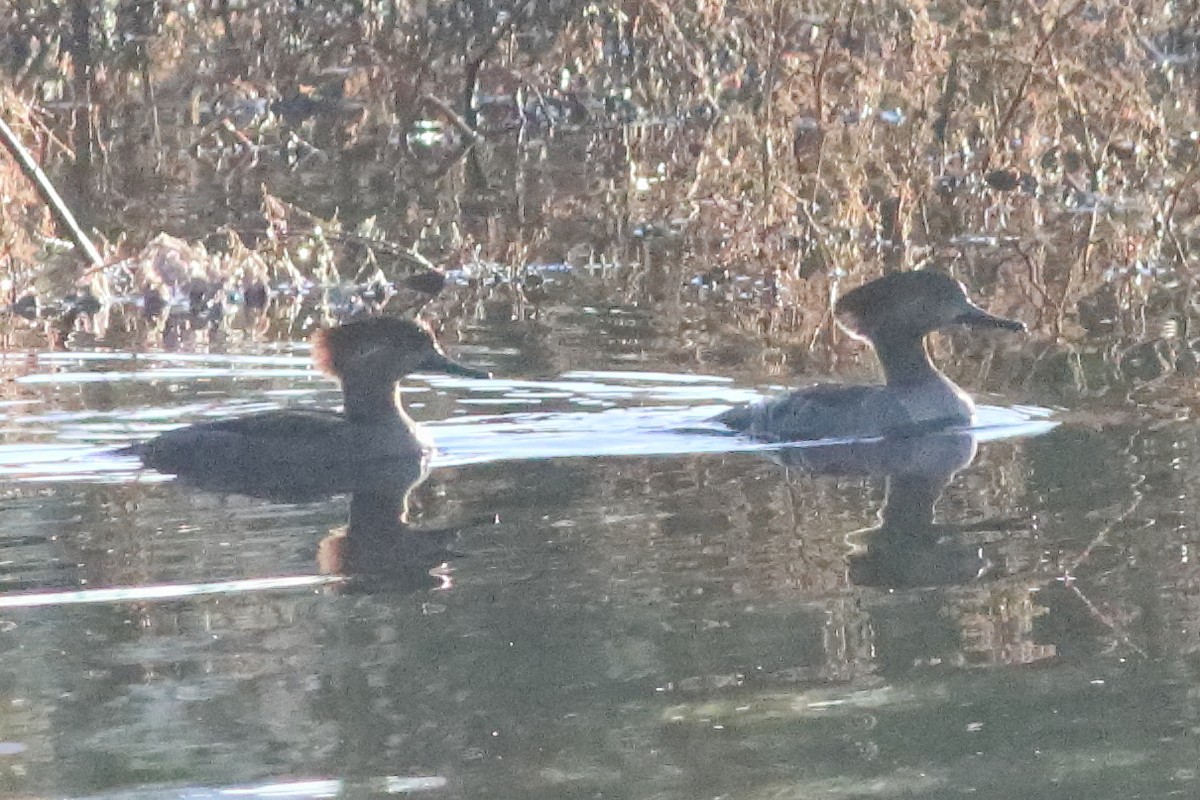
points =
(135, 594)
(584, 413)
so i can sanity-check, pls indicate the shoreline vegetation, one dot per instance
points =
(755, 158)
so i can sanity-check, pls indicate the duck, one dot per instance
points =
(293, 453)
(894, 315)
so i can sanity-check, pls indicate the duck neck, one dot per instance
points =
(905, 359)
(372, 400)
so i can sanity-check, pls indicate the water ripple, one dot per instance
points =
(581, 414)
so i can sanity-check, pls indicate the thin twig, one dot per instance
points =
(452, 116)
(765, 153)
(1019, 94)
(475, 62)
(49, 194)
(408, 255)
(1107, 621)
(818, 76)
(1184, 183)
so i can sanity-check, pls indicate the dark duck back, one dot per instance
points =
(257, 453)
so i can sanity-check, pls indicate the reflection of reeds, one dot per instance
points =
(1040, 153)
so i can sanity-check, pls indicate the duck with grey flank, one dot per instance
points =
(893, 314)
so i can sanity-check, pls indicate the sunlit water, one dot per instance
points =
(629, 603)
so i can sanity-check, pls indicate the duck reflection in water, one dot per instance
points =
(913, 429)
(379, 550)
(372, 450)
(294, 454)
(907, 549)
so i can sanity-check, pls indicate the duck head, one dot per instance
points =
(383, 349)
(907, 304)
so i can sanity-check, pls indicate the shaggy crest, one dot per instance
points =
(894, 295)
(336, 349)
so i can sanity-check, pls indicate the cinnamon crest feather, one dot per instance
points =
(336, 349)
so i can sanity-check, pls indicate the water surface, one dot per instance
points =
(621, 602)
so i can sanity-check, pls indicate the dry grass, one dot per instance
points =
(1046, 153)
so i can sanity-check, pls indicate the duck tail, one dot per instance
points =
(739, 417)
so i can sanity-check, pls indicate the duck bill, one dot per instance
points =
(436, 362)
(976, 317)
